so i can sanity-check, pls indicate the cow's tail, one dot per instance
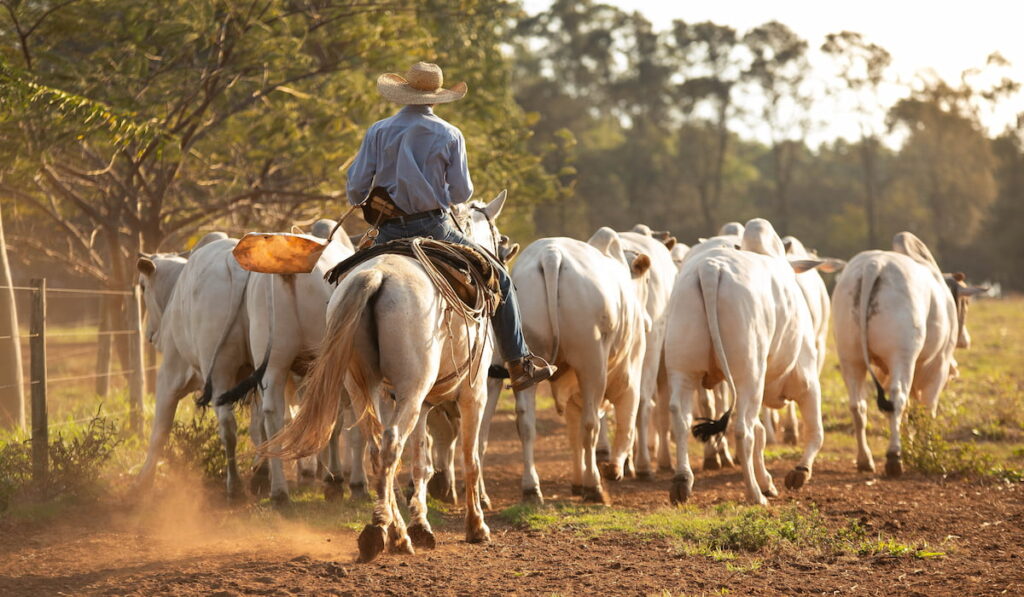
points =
(550, 264)
(255, 380)
(324, 385)
(867, 285)
(710, 276)
(237, 299)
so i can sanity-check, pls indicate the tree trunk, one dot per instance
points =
(12, 388)
(867, 157)
(104, 350)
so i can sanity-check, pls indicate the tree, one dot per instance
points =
(709, 53)
(862, 68)
(12, 392)
(778, 70)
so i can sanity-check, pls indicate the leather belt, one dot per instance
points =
(413, 217)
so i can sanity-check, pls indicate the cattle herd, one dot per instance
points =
(665, 340)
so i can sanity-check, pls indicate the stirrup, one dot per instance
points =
(529, 371)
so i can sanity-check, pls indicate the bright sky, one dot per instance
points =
(944, 35)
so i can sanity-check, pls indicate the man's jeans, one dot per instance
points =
(506, 321)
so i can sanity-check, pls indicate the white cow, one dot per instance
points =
(583, 309)
(285, 316)
(756, 335)
(199, 328)
(898, 318)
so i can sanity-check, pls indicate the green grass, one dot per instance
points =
(721, 533)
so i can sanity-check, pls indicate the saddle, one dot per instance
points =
(467, 270)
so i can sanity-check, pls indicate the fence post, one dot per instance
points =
(37, 345)
(137, 387)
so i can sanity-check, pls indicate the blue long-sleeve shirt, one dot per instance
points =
(418, 157)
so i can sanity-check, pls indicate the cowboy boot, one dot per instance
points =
(528, 371)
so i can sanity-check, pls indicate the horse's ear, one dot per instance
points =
(493, 209)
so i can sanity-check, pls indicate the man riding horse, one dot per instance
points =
(419, 160)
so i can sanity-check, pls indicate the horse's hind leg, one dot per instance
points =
(471, 403)
(419, 528)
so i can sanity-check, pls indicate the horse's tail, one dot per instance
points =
(550, 264)
(867, 285)
(710, 278)
(324, 385)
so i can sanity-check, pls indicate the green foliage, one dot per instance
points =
(195, 445)
(926, 450)
(77, 458)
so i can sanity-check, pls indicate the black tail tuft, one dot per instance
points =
(711, 427)
(237, 393)
(497, 372)
(204, 399)
(883, 403)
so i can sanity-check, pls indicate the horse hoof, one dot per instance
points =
(596, 495)
(576, 490)
(611, 471)
(441, 488)
(358, 493)
(893, 464)
(682, 488)
(334, 491)
(259, 485)
(796, 478)
(602, 456)
(371, 542)
(422, 537)
(866, 467)
(711, 463)
(644, 475)
(478, 534)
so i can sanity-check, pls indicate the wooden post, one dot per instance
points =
(37, 345)
(137, 381)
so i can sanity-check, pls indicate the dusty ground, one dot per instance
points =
(178, 545)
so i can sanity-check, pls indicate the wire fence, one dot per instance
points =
(37, 383)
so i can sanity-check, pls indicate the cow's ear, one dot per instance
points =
(146, 266)
(804, 265)
(831, 265)
(641, 263)
(788, 244)
(493, 209)
(670, 242)
(972, 290)
(959, 276)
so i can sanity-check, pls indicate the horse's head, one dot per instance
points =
(477, 221)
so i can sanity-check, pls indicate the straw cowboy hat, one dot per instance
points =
(420, 85)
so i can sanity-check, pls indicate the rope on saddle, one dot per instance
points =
(431, 253)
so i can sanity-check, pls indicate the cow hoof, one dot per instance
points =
(771, 492)
(627, 469)
(611, 471)
(280, 500)
(398, 541)
(682, 488)
(575, 490)
(796, 478)
(789, 437)
(712, 463)
(644, 475)
(533, 496)
(866, 467)
(478, 534)
(485, 501)
(334, 490)
(665, 468)
(602, 456)
(441, 488)
(596, 495)
(727, 461)
(893, 464)
(358, 493)
(259, 485)
(422, 537)
(371, 543)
